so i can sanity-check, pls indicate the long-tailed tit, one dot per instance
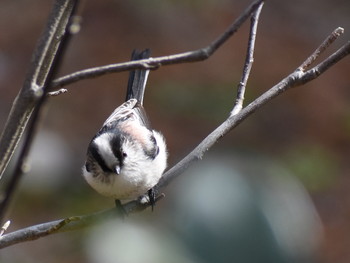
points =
(126, 158)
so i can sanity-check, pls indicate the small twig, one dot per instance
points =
(4, 227)
(57, 92)
(152, 63)
(325, 44)
(248, 61)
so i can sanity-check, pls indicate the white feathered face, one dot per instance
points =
(108, 152)
(105, 154)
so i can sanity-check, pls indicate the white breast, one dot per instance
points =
(138, 174)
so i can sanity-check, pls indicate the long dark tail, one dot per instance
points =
(137, 78)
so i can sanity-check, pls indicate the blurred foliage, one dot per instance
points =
(213, 103)
(314, 165)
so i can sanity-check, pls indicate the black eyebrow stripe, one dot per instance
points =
(95, 153)
(116, 146)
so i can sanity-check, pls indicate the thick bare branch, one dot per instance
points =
(32, 89)
(62, 30)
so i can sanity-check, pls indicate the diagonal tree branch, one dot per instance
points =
(68, 224)
(153, 63)
(297, 78)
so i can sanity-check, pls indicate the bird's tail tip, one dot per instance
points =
(138, 77)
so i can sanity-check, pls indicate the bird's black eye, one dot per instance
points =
(119, 154)
(88, 167)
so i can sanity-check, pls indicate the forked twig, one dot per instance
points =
(325, 44)
(296, 78)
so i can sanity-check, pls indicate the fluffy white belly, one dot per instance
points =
(124, 185)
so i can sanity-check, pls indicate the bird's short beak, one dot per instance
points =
(117, 169)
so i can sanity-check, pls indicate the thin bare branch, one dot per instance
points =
(69, 224)
(248, 61)
(49, 228)
(327, 63)
(153, 63)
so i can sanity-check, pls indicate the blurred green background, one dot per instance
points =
(274, 190)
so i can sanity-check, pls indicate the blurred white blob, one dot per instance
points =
(291, 215)
(49, 164)
(132, 242)
(245, 210)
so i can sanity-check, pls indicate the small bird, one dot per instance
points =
(126, 158)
